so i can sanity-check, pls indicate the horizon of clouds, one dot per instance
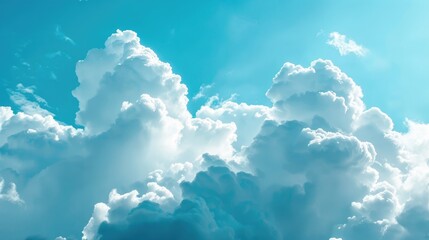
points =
(316, 164)
(345, 45)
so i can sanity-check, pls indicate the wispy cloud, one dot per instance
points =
(346, 45)
(202, 92)
(62, 36)
(28, 100)
(57, 54)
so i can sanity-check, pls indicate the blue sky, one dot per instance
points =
(236, 43)
(134, 119)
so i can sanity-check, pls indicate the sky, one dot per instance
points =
(271, 119)
(239, 43)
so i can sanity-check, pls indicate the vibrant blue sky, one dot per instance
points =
(239, 44)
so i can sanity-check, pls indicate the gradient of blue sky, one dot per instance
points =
(238, 44)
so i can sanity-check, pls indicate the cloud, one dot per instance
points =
(28, 101)
(145, 132)
(315, 164)
(320, 94)
(335, 171)
(5, 114)
(202, 92)
(32, 125)
(9, 193)
(126, 71)
(266, 205)
(345, 45)
(60, 35)
(218, 204)
(247, 118)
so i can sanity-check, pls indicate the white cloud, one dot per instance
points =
(28, 101)
(9, 192)
(123, 71)
(320, 92)
(5, 114)
(149, 130)
(339, 167)
(247, 118)
(99, 215)
(345, 45)
(202, 92)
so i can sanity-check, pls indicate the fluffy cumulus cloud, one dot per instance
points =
(345, 45)
(320, 95)
(60, 172)
(247, 119)
(316, 164)
(122, 71)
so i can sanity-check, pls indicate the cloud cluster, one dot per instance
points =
(140, 125)
(316, 164)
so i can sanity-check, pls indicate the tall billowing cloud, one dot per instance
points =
(135, 122)
(120, 72)
(316, 164)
